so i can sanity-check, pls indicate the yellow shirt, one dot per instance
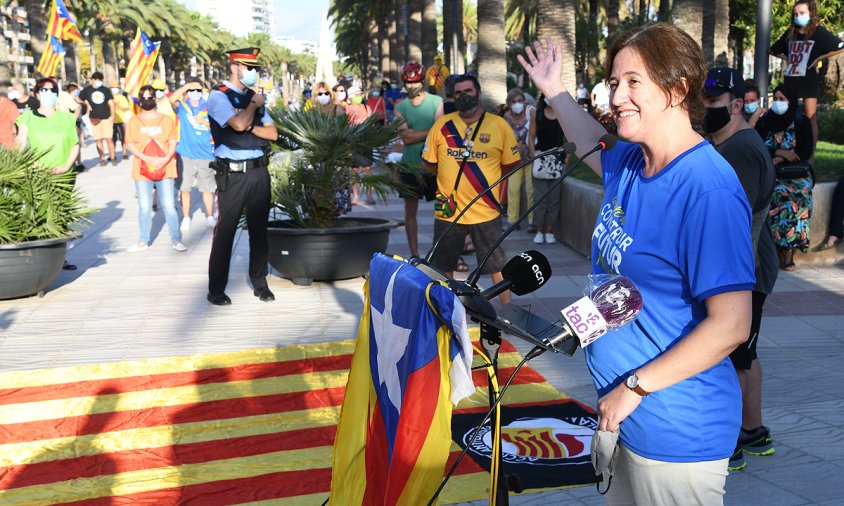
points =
(436, 76)
(494, 151)
(122, 110)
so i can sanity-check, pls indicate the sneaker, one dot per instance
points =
(549, 238)
(737, 461)
(185, 226)
(137, 247)
(539, 238)
(212, 221)
(178, 246)
(757, 442)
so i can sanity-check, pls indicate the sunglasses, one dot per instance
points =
(200, 91)
(323, 93)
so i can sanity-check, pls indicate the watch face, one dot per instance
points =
(632, 381)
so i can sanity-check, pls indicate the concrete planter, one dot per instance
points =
(28, 268)
(306, 255)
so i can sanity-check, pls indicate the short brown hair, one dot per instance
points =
(670, 55)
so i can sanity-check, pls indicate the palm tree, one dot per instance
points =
(612, 18)
(429, 40)
(715, 31)
(414, 29)
(394, 26)
(558, 21)
(688, 16)
(492, 55)
(36, 15)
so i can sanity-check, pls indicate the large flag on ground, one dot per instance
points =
(51, 57)
(61, 25)
(412, 363)
(142, 55)
(244, 427)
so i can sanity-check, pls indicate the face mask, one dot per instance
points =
(341, 96)
(194, 96)
(357, 100)
(249, 77)
(14, 94)
(394, 86)
(115, 91)
(414, 91)
(751, 107)
(147, 104)
(48, 98)
(376, 94)
(779, 108)
(803, 20)
(518, 107)
(159, 94)
(97, 84)
(76, 93)
(323, 99)
(715, 118)
(466, 102)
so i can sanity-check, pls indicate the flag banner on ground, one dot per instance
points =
(142, 55)
(61, 25)
(412, 362)
(227, 428)
(51, 57)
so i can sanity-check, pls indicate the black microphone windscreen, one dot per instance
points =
(569, 147)
(528, 271)
(607, 142)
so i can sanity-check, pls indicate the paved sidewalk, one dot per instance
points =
(121, 306)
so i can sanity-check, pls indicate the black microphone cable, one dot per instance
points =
(606, 142)
(567, 148)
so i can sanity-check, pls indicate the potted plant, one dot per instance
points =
(310, 238)
(38, 215)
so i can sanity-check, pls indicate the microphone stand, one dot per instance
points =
(472, 279)
(490, 340)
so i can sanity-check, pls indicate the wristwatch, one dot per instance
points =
(632, 383)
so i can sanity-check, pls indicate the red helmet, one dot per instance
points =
(413, 72)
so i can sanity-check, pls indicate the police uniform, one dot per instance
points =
(240, 161)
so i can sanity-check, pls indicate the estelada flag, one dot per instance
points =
(61, 25)
(51, 57)
(142, 55)
(411, 364)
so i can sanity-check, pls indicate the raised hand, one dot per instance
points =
(545, 66)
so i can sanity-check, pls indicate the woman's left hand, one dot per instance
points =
(616, 406)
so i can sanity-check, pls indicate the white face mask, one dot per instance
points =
(13, 94)
(518, 107)
(194, 95)
(249, 77)
(48, 98)
(115, 91)
(323, 99)
(159, 94)
(96, 84)
(779, 107)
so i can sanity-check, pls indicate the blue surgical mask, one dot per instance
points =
(779, 108)
(376, 93)
(249, 77)
(803, 20)
(394, 86)
(48, 98)
(751, 107)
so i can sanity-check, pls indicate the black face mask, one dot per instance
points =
(716, 118)
(465, 102)
(147, 104)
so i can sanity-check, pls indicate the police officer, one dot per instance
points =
(241, 128)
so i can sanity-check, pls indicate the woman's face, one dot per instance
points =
(751, 97)
(638, 103)
(801, 10)
(45, 87)
(779, 97)
(518, 99)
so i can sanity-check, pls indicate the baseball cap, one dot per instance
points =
(354, 90)
(158, 84)
(723, 79)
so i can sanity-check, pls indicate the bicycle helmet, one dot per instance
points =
(413, 72)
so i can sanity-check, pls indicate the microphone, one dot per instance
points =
(606, 142)
(613, 304)
(523, 274)
(567, 148)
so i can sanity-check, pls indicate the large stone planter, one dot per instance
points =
(305, 255)
(29, 267)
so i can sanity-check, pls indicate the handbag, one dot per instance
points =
(795, 170)
(446, 206)
(548, 167)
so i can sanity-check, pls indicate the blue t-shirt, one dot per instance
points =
(681, 236)
(393, 93)
(194, 136)
(222, 111)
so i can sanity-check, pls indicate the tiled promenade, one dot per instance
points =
(121, 306)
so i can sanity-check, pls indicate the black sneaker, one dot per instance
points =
(737, 462)
(757, 441)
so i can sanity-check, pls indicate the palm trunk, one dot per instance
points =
(37, 27)
(92, 51)
(5, 71)
(612, 18)
(384, 38)
(688, 16)
(110, 70)
(460, 64)
(448, 33)
(71, 63)
(664, 12)
(558, 22)
(414, 30)
(393, 32)
(492, 60)
(593, 50)
(429, 31)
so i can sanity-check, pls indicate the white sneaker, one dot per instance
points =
(212, 221)
(549, 238)
(185, 224)
(178, 246)
(538, 238)
(137, 247)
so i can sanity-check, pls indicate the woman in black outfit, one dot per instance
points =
(545, 133)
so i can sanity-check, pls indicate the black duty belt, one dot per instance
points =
(244, 165)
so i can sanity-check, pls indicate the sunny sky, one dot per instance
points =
(300, 19)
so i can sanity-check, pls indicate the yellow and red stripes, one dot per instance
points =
(248, 427)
